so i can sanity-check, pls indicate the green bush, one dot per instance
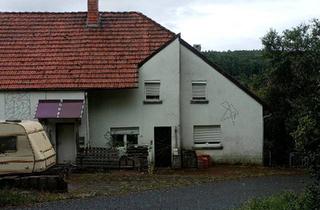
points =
(283, 201)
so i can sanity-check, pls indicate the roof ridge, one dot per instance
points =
(154, 22)
(76, 12)
(40, 12)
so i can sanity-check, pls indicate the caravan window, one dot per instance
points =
(8, 144)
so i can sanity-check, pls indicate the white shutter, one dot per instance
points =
(199, 90)
(207, 134)
(125, 131)
(152, 89)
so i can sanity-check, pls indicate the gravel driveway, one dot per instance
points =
(218, 195)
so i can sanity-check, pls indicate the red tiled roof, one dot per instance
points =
(57, 50)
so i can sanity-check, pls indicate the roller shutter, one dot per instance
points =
(207, 134)
(199, 90)
(152, 90)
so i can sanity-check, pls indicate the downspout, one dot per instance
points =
(180, 145)
(87, 119)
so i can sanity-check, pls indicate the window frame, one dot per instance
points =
(152, 100)
(202, 99)
(15, 145)
(214, 144)
(125, 131)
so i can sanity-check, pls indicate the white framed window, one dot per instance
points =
(124, 137)
(207, 136)
(199, 91)
(152, 90)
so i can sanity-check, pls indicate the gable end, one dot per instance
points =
(221, 71)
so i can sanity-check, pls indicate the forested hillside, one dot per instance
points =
(247, 66)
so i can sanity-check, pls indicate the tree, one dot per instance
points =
(293, 91)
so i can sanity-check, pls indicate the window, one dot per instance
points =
(207, 136)
(152, 91)
(199, 92)
(124, 137)
(8, 144)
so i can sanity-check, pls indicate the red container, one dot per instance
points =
(204, 161)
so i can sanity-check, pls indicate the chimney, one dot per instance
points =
(197, 47)
(93, 16)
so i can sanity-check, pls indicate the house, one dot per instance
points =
(114, 79)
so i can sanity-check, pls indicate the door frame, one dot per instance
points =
(171, 149)
(75, 136)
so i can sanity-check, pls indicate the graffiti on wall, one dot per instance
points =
(17, 106)
(231, 113)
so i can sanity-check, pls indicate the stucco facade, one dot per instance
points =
(239, 115)
(126, 108)
(174, 67)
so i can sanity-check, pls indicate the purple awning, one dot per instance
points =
(48, 109)
(53, 109)
(71, 109)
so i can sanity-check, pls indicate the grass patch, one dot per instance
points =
(15, 197)
(283, 201)
(10, 197)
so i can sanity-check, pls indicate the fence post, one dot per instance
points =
(270, 158)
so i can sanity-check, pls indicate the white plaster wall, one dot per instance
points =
(125, 108)
(243, 137)
(25, 104)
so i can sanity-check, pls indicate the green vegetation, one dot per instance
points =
(247, 66)
(286, 75)
(14, 197)
(293, 91)
(283, 201)
(9, 197)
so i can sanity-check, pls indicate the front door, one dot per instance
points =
(66, 143)
(162, 141)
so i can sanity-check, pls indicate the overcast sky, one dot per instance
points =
(215, 24)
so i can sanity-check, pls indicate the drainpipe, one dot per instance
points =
(87, 118)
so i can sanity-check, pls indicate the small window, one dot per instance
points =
(8, 144)
(152, 90)
(124, 137)
(207, 136)
(132, 139)
(199, 91)
(117, 140)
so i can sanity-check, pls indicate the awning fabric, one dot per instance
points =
(62, 109)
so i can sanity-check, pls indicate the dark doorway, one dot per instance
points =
(162, 142)
(66, 143)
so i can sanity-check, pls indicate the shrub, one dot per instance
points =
(283, 201)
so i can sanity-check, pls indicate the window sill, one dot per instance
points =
(208, 147)
(199, 101)
(152, 102)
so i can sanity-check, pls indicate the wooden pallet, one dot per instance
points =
(103, 158)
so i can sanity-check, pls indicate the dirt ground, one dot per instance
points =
(122, 182)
